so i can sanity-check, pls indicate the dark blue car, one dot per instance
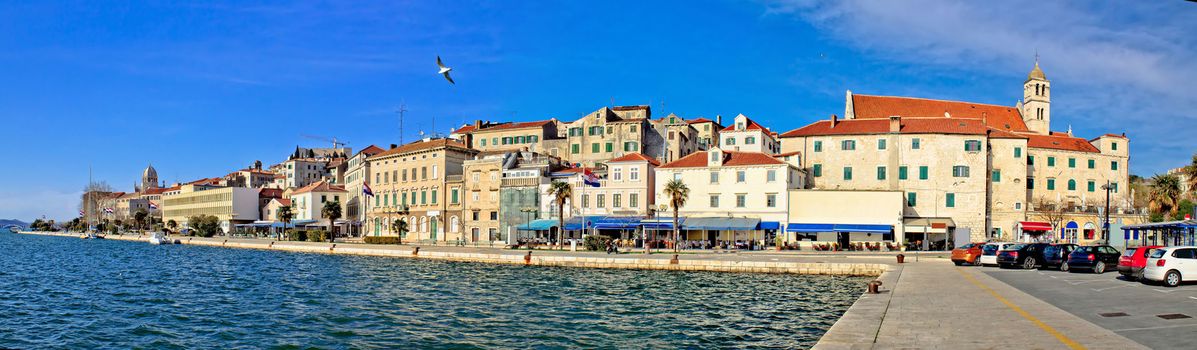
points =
(1095, 258)
(1056, 255)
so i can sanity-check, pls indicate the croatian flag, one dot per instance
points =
(109, 210)
(153, 205)
(589, 179)
(80, 212)
(366, 190)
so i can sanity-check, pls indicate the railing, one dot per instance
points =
(453, 178)
(527, 181)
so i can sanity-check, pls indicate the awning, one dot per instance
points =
(806, 228)
(1035, 226)
(660, 224)
(768, 225)
(618, 223)
(575, 223)
(721, 224)
(302, 222)
(863, 228)
(538, 225)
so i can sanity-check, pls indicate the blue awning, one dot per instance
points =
(617, 223)
(575, 223)
(806, 228)
(863, 228)
(721, 224)
(768, 225)
(660, 224)
(538, 225)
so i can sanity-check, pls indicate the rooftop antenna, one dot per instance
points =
(402, 109)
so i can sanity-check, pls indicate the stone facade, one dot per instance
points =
(409, 185)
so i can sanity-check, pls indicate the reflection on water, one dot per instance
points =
(70, 293)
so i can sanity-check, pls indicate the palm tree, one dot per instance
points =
(139, 218)
(400, 228)
(1190, 172)
(1165, 191)
(331, 211)
(285, 215)
(561, 191)
(677, 193)
(172, 225)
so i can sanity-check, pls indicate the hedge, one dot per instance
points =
(317, 236)
(383, 240)
(297, 235)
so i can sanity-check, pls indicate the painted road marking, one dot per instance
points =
(1158, 327)
(1059, 336)
(1163, 291)
(1108, 288)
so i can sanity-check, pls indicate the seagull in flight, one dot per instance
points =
(444, 70)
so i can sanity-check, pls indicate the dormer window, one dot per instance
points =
(739, 126)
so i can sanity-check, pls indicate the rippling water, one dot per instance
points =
(60, 292)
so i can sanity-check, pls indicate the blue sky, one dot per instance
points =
(202, 89)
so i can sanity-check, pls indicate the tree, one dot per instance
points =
(400, 226)
(285, 215)
(1165, 192)
(561, 191)
(332, 211)
(1052, 212)
(172, 225)
(139, 218)
(678, 193)
(204, 225)
(1185, 207)
(1190, 173)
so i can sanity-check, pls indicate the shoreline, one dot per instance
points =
(584, 259)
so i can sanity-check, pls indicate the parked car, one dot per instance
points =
(967, 254)
(1056, 255)
(1024, 255)
(1095, 258)
(1133, 260)
(1171, 265)
(990, 250)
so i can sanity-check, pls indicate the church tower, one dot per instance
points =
(1036, 101)
(149, 178)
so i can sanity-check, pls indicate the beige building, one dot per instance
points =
(409, 184)
(308, 204)
(708, 131)
(681, 138)
(489, 137)
(356, 178)
(969, 168)
(626, 189)
(745, 135)
(481, 181)
(231, 205)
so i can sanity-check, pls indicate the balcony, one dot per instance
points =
(453, 178)
(521, 182)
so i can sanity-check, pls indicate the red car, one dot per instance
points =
(1132, 262)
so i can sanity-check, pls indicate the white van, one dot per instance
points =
(1171, 265)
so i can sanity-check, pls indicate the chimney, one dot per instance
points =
(393, 146)
(477, 124)
(719, 119)
(834, 120)
(895, 123)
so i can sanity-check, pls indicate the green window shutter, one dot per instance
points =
(1017, 152)
(1114, 165)
(575, 148)
(923, 172)
(1051, 161)
(997, 175)
(818, 146)
(1071, 162)
(911, 199)
(902, 172)
(423, 197)
(610, 147)
(847, 173)
(818, 170)
(594, 148)
(1092, 164)
(1051, 184)
(1092, 186)
(454, 195)
(1113, 146)
(914, 143)
(433, 196)
(881, 144)
(1072, 185)
(1030, 160)
(880, 173)
(950, 200)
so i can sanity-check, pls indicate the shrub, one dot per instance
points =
(595, 242)
(297, 235)
(317, 236)
(382, 240)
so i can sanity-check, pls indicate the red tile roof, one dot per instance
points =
(787, 154)
(283, 201)
(751, 126)
(635, 157)
(882, 107)
(155, 190)
(730, 158)
(1060, 141)
(1123, 136)
(422, 145)
(941, 125)
(998, 134)
(270, 193)
(371, 150)
(504, 126)
(320, 186)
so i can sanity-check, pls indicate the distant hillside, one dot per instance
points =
(5, 223)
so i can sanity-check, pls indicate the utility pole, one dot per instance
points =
(402, 109)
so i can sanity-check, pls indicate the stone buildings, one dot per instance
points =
(409, 185)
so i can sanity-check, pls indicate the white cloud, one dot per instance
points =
(1126, 68)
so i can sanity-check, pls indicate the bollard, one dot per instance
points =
(416, 251)
(874, 287)
(528, 258)
(674, 260)
(334, 246)
(901, 259)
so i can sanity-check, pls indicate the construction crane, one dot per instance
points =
(336, 144)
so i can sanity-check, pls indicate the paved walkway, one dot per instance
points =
(934, 304)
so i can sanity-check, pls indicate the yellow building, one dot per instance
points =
(409, 184)
(230, 205)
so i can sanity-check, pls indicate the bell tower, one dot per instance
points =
(1036, 101)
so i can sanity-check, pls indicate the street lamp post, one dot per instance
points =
(1105, 229)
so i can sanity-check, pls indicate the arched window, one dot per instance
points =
(453, 224)
(423, 224)
(386, 225)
